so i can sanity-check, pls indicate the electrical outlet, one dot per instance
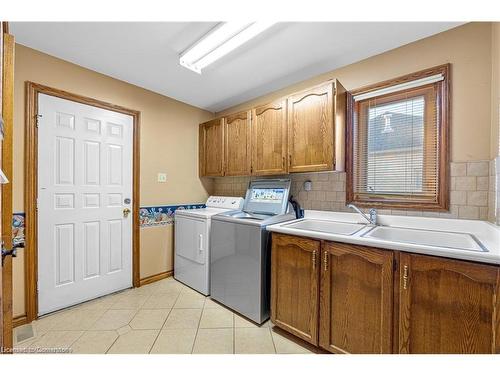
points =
(162, 177)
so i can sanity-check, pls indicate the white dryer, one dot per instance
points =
(192, 241)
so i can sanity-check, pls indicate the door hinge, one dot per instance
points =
(37, 118)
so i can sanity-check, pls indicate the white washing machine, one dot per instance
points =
(192, 241)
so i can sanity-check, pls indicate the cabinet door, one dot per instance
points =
(310, 130)
(448, 306)
(211, 148)
(356, 299)
(237, 144)
(294, 285)
(269, 134)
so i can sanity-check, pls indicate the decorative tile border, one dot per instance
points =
(152, 216)
(18, 229)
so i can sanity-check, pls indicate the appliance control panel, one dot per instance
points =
(231, 203)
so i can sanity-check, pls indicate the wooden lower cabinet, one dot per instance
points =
(448, 306)
(294, 285)
(356, 299)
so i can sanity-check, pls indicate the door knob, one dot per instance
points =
(126, 211)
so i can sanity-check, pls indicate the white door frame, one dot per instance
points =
(31, 186)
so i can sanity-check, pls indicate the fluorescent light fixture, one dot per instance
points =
(221, 40)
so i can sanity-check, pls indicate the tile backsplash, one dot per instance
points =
(494, 191)
(472, 191)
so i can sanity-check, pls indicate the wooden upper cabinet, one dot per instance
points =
(237, 145)
(302, 133)
(295, 285)
(269, 135)
(356, 305)
(311, 130)
(448, 306)
(211, 148)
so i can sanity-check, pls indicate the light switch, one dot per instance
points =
(162, 177)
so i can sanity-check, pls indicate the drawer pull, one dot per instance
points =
(405, 277)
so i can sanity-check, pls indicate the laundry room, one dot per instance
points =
(220, 186)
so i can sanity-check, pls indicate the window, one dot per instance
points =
(398, 143)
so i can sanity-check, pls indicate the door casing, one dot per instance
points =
(7, 110)
(31, 186)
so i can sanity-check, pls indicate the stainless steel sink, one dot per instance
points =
(452, 240)
(327, 226)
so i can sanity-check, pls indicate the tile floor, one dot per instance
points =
(164, 317)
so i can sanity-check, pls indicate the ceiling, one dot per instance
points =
(146, 53)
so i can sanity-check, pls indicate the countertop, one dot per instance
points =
(487, 233)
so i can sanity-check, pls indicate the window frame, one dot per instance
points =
(406, 202)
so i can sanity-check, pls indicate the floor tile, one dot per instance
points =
(212, 304)
(145, 290)
(161, 301)
(183, 318)
(45, 323)
(149, 319)
(25, 344)
(174, 341)
(216, 318)
(162, 317)
(285, 345)
(253, 341)
(189, 300)
(242, 322)
(123, 330)
(134, 342)
(130, 301)
(113, 319)
(214, 341)
(168, 285)
(56, 340)
(77, 320)
(94, 342)
(99, 303)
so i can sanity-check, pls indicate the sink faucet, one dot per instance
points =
(373, 214)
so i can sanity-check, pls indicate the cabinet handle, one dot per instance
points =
(283, 163)
(405, 277)
(314, 259)
(290, 160)
(325, 261)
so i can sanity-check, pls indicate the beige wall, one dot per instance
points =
(169, 143)
(157, 244)
(467, 48)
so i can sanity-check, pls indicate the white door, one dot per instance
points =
(84, 185)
